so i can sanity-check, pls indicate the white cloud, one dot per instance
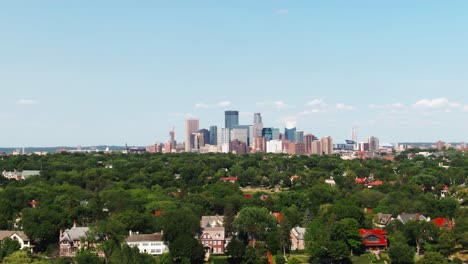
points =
(465, 108)
(26, 102)
(224, 104)
(341, 106)
(201, 105)
(276, 104)
(282, 11)
(434, 103)
(317, 102)
(309, 112)
(387, 106)
(289, 121)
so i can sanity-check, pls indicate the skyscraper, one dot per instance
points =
(231, 119)
(224, 136)
(267, 133)
(327, 145)
(373, 144)
(257, 125)
(213, 135)
(290, 134)
(191, 126)
(317, 147)
(206, 136)
(299, 137)
(308, 143)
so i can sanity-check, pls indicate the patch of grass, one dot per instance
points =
(219, 259)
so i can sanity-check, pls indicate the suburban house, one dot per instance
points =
(231, 179)
(373, 239)
(23, 175)
(404, 217)
(19, 236)
(297, 238)
(147, 243)
(381, 220)
(443, 223)
(330, 181)
(70, 240)
(213, 236)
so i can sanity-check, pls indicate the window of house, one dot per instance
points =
(372, 239)
(145, 244)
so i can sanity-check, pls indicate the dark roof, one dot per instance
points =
(6, 233)
(144, 237)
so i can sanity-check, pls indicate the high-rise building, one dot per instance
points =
(296, 149)
(267, 133)
(327, 145)
(373, 144)
(213, 135)
(439, 144)
(241, 134)
(299, 137)
(191, 127)
(257, 125)
(317, 147)
(259, 144)
(206, 136)
(276, 134)
(274, 146)
(224, 136)
(238, 147)
(231, 119)
(308, 143)
(290, 134)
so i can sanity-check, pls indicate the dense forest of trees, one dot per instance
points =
(115, 199)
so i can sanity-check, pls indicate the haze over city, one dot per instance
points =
(111, 72)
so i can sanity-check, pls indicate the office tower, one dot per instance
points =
(290, 133)
(308, 143)
(317, 147)
(238, 147)
(206, 136)
(296, 149)
(231, 119)
(327, 145)
(267, 133)
(257, 125)
(274, 146)
(241, 134)
(439, 144)
(373, 144)
(191, 127)
(259, 144)
(299, 137)
(224, 136)
(213, 135)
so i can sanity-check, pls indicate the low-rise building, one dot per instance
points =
(373, 239)
(70, 241)
(147, 243)
(404, 217)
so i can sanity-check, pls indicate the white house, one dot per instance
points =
(19, 236)
(147, 243)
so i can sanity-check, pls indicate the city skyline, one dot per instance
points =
(107, 73)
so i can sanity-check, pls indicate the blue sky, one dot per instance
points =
(110, 72)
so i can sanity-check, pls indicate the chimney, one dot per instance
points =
(130, 233)
(74, 223)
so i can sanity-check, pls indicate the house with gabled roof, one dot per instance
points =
(20, 236)
(373, 239)
(297, 235)
(404, 217)
(147, 243)
(70, 240)
(381, 220)
(443, 223)
(213, 235)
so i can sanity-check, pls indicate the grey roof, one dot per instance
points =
(6, 233)
(74, 234)
(28, 173)
(404, 217)
(383, 219)
(145, 237)
(212, 221)
(299, 232)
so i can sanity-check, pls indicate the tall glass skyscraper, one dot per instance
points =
(231, 119)
(290, 134)
(213, 135)
(267, 133)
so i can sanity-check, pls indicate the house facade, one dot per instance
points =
(213, 236)
(70, 240)
(147, 243)
(297, 238)
(20, 236)
(374, 239)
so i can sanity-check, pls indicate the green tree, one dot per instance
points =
(254, 222)
(421, 232)
(399, 251)
(8, 246)
(179, 222)
(88, 257)
(235, 249)
(432, 258)
(446, 242)
(186, 247)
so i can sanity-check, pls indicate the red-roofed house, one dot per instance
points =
(375, 183)
(278, 216)
(443, 222)
(362, 181)
(231, 179)
(374, 238)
